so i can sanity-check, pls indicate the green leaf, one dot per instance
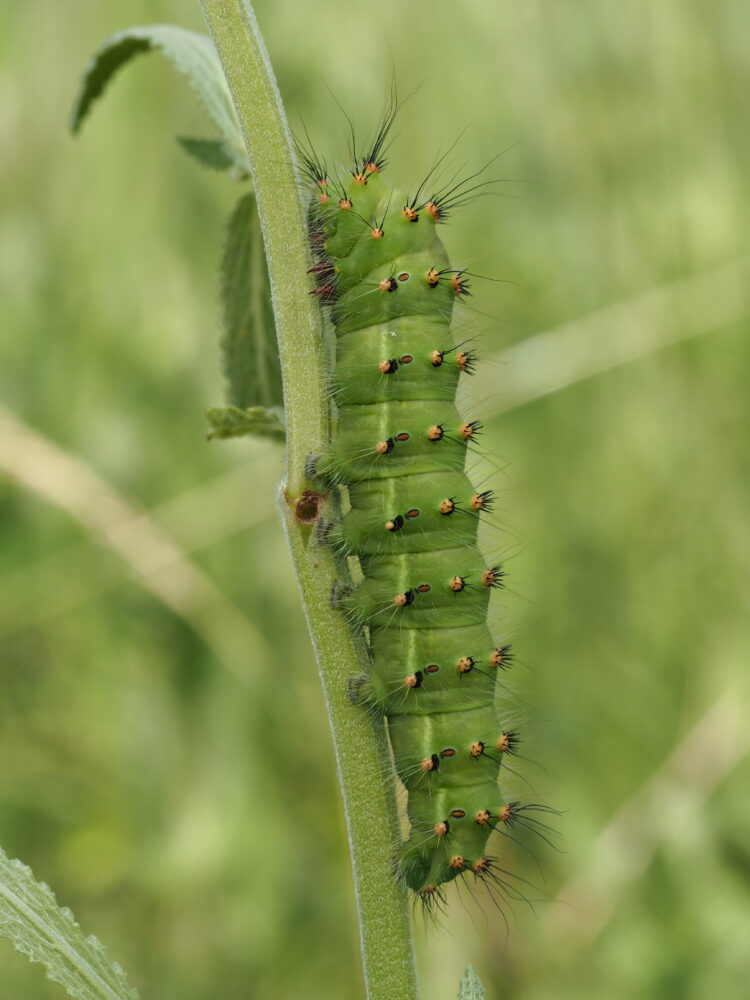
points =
(47, 933)
(211, 153)
(192, 54)
(251, 354)
(470, 987)
(231, 421)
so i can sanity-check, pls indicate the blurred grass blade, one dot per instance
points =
(666, 805)
(47, 933)
(209, 152)
(190, 53)
(470, 987)
(69, 483)
(231, 421)
(617, 335)
(251, 355)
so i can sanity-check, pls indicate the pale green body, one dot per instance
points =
(447, 710)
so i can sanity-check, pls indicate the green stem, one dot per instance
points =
(360, 744)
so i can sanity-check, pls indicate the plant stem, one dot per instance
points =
(360, 743)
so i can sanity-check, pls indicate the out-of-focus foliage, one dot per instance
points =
(174, 781)
(470, 987)
(250, 355)
(231, 421)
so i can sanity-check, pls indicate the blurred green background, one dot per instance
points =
(166, 763)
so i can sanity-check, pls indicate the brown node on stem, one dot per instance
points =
(324, 198)
(376, 233)
(476, 749)
(413, 680)
(307, 506)
(432, 209)
(457, 584)
(483, 817)
(384, 447)
(430, 763)
(387, 285)
(436, 432)
(447, 506)
(433, 277)
(388, 366)
(465, 664)
(441, 829)
(437, 358)
(360, 178)
(396, 524)
(456, 862)
(481, 866)
(410, 214)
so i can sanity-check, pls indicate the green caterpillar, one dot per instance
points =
(399, 450)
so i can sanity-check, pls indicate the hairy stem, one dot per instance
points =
(360, 743)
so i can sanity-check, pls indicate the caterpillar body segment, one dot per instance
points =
(410, 345)
(383, 518)
(400, 450)
(383, 440)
